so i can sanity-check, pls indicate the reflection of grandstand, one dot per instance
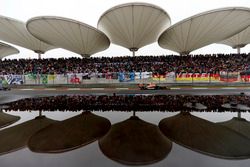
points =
(209, 103)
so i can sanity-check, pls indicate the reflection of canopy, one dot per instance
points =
(70, 134)
(239, 40)
(134, 25)
(235, 106)
(205, 137)
(16, 137)
(135, 142)
(240, 125)
(195, 106)
(14, 31)
(6, 50)
(204, 29)
(68, 34)
(7, 119)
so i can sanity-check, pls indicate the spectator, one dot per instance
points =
(156, 64)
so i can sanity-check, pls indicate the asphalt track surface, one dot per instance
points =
(123, 91)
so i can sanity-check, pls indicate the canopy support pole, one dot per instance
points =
(40, 113)
(39, 56)
(39, 53)
(239, 114)
(134, 113)
(238, 50)
(133, 50)
(133, 53)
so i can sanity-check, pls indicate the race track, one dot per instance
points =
(109, 91)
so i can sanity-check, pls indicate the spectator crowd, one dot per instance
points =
(115, 102)
(156, 64)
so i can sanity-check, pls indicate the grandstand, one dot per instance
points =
(215, 68)
(138, 25)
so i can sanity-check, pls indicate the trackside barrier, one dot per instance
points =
(132, 77)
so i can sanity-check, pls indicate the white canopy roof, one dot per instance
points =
(204, 29)
(239, 40)
(68, 34)
(134, 25)
(6, 50)
(14, 31)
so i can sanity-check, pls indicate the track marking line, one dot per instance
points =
(121, 88)
(27, 89)
(49, 89)
(199, 88)
(97, 88)
(73, 89)
(229, 88)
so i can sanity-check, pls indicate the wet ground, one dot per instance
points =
(173, 91)
(91, 155)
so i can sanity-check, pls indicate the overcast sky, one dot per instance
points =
(90, 11)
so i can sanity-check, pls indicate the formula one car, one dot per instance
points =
(152, 86)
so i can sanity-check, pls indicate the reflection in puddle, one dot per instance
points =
(129, 141)
(6, 119)
(135, 142)
(11, 98)
(69, 134)
(239, 125)
(127, 103)
(16, 137)
(206, 137)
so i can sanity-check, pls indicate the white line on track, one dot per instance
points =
(199, 88)
(229, 88)
(122, 88)
(97, 88)
(26, 89)
(175, 88)
(73, 89)
(49, 88)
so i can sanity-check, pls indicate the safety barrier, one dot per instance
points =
(132, 77)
